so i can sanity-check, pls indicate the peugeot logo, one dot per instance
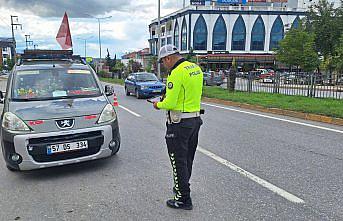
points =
(65, 123)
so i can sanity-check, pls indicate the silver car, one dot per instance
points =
(213, 78)
(56, 113)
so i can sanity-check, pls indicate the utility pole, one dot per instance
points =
(85, 41)
(28, 42)
(159, 39)
(99, 19)
(15, 24)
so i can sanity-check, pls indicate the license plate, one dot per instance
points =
(156, 91)
(66, 147)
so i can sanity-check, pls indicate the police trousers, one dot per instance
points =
(182, 142)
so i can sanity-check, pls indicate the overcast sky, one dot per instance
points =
(126, 31)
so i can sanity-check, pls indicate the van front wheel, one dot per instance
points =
(11, 169)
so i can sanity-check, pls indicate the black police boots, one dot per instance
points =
(180, 204)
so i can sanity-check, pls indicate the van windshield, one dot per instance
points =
(48, 84)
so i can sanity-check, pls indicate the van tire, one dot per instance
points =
(116, 151)
(11, 169)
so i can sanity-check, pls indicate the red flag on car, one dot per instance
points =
(63, 36)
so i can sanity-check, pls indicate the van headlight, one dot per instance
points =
(12, 122)
(108, 114)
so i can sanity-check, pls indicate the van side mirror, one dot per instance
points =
(2, 97)
(109, 90)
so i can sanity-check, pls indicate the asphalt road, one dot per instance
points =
(250, 166)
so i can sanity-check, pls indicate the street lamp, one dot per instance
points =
(85, 40)
(159, 39)
(99, 19)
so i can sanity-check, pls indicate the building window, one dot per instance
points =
(258, 35)
(219, 34)
(163, 42)
(184, 36)
(169, 40)
(200, 34)
(176, 35)
(296, 22)
(276, 34)
(238, 35)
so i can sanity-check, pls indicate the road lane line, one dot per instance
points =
(130, 111)
(276, 118)
(288, 196)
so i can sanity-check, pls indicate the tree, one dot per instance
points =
(108, 59)
(134, 66)
(190, 56)
(326, 23)
(231, 79)
(10, 64)
(338, 58)
(310, 56)
(298, 49)
(152, 64)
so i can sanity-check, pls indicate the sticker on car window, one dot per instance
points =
(79, 72)
(59, 93)
(20, 73)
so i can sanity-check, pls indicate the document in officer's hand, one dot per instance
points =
(154, 99)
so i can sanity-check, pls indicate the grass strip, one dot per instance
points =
(113, 80)
(322, 106)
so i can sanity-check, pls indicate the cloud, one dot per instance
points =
(75, 8)
(126, 31)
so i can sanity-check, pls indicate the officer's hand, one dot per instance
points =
(155, 105)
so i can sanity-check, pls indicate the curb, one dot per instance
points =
(305, 116)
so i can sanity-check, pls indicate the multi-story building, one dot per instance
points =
(142, 57)
(6, 50)
(219, 34)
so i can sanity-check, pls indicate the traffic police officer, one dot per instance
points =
(182, 102)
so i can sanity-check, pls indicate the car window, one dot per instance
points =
(53, 84)
(146, 77)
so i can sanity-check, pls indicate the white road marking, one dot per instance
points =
(130, 111)
(288, 196)
(276, 118)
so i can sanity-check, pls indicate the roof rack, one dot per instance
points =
(50, 55)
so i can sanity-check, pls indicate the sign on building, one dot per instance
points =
(281, 1)
(228, 1)
(197, 2)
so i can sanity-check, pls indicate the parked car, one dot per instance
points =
(55, 113)
(268, 79)
(340, 80)
(143, 84)
(254, 74)
(212, 78)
